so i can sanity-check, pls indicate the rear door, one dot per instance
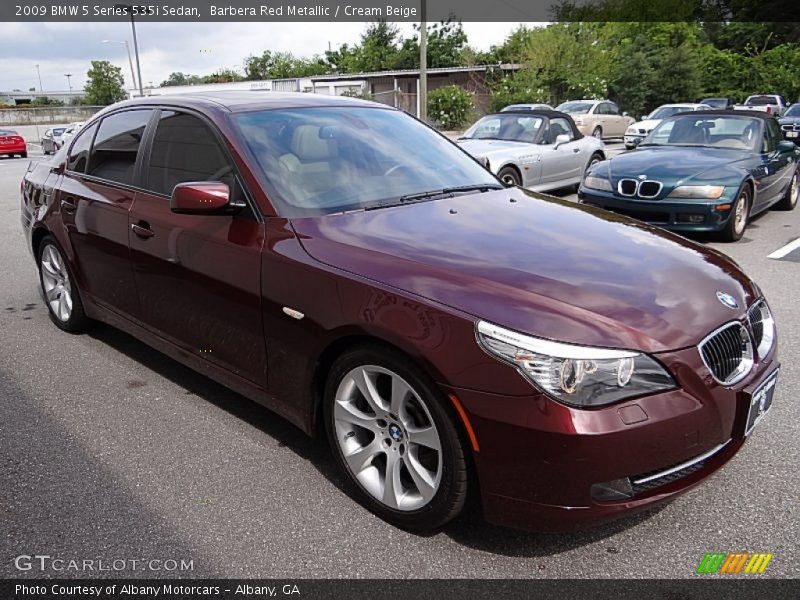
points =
(198, 277)
(96, 194)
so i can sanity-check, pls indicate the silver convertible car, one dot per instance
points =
(538, 150)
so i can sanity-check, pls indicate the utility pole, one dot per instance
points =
(39, 73)
(69, 81)
(130, 60)
(423, 64)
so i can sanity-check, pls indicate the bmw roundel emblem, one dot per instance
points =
(727, 300)
(642, 177)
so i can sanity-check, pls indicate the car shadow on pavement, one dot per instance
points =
(470, 529)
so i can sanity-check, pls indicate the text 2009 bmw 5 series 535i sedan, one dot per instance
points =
(360, 275)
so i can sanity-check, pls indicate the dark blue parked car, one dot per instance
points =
(706, 171)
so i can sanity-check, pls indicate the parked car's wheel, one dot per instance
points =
(393, 438)
(789, 200)
(24, 155)
(60, 288)
(598, 133)
(596, 158)
(740, 215)
(509, 176)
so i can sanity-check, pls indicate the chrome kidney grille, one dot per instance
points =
(643, 189)
(728, 353)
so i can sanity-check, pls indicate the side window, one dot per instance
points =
(185, 149)
(770, 142)
(599, 109)
(79, 153)
(116, 146)
(558, 127)
(777, 134)
(612, 108)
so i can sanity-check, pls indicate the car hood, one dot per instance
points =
(490, 147)
(647, 124)
(674, 165)
(787, 120)
(542, 266)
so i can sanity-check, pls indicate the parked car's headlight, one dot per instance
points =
(580, 376)
(597, 183)
(706, 192)
(631, 131)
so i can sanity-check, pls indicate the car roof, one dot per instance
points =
(725, 113)
(239, 101)
(541, 112)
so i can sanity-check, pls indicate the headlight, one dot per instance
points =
(709, 192)
(579, 376)
(631, 131)
(597, 183)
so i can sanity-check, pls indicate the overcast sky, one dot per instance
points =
(197, 48)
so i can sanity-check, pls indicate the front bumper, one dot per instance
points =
(539, 459)
(631, 141)
(687, 215)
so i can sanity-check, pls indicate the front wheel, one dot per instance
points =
(394, 440)
(740, 214)
(789, 200)
(59, 288)
(509, 176)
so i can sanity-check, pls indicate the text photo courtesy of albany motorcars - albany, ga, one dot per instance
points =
(325, 314)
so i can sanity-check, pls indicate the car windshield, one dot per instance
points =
(741, 133)
(511, 128)
(58, 130)
(576, 107)
(667, 111)
(716, 102)
(7, 132)
(760, 100)
(325, 160)
(793, 111)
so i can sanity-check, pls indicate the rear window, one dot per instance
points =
(761, 100)
(7, 132)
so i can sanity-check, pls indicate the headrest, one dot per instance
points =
(308, 146)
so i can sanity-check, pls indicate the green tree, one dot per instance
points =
(223, 76)
(104, 84)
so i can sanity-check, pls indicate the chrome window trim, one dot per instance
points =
(682, 466)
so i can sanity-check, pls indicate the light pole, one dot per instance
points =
(39, 73)
(69, 81)
(130, 60)
(129, 9)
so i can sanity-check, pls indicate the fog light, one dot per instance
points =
(618, 489)
(686, 218)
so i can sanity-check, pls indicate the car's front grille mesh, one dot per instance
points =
(643, 486)
(728, 353)
(649, 189)
(755, 316)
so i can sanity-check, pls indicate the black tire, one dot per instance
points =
(598, 133)
(789, 200)
(450, 496)
(509, 176)
(734, 230)
(77, 321)
(24, 155)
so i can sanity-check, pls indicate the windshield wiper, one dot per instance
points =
(449, 191)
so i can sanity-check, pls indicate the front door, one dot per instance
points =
(198, 277)
(562, 164)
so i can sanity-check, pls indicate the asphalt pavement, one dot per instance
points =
(109, 450)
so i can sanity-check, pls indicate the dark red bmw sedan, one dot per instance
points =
(357, 273)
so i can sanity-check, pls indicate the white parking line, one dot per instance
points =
(787, 249)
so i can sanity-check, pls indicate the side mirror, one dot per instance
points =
(561, 139)
(625, 114)
(786, 146)
(200, 198)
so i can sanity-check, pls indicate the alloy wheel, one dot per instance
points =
(794, 190)
(740, 216)
(56, 284)
(388, 438)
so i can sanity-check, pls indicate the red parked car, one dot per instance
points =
(12, 143)
(356, 272)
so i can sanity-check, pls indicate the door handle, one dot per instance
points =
(576, 150)
(142, 230)
(68, 205)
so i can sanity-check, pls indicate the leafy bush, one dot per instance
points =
(450, 107)
(360, 94)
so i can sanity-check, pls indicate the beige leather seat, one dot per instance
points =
(313, 164)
